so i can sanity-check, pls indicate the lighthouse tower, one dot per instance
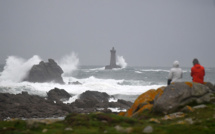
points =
(112, 60)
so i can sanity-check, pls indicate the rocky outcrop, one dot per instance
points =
(30, 106)
(90, 99)
(171, 98)
(58, 95)
(75, 83)
(180, 94)
(45, 72)
(94, 100)
(143, 102)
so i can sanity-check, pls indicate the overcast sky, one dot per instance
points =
(144, 32)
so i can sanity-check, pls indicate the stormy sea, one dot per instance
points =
(126, 83)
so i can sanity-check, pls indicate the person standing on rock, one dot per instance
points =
(175, 74)
(197, 72)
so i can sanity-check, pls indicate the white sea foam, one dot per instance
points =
(72, 99)
(113, 100)
(110, 86)
(154, 70)
(138, 72)
(117, 109)
(69, 63)
(121, 61)
(17, 68)
(97, 69)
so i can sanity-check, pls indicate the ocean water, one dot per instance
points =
(126, 83)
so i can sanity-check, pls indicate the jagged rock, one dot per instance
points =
(30, 106)
(25, 105)
(45, 72)
(75, 83)
(180, 94)
(58, 95)
(92, 100)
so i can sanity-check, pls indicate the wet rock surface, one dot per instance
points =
(29, 106)
(58, 95)
(45, 72)
(24, 105)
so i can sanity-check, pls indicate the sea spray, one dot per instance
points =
(17, 68)
(127, 83)
(69, 63)
(121, 62)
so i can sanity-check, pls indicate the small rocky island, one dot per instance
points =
(45, 72)
(112, 60)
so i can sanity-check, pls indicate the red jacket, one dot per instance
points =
(198, 73)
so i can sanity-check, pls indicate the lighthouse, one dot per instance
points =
(112, 60)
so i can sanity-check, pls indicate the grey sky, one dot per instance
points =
(144, 32)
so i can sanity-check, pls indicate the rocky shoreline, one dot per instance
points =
(24, 105)
(164, 100)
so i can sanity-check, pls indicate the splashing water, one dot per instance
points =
(16, 68)
(69, 63)
(121, 62)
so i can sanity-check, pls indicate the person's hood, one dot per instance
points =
(175, 64)
(197, 66)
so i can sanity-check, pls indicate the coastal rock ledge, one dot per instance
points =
(171, 99)
(24, 105)
(180, 94)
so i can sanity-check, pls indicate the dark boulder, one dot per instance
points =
(75, 83)
(94, 100)
(45, 72)
(30, 106)
(121, 104)
(58, 95)
(90, 99)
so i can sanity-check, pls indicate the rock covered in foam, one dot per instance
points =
(94, 100)
(45, 72)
